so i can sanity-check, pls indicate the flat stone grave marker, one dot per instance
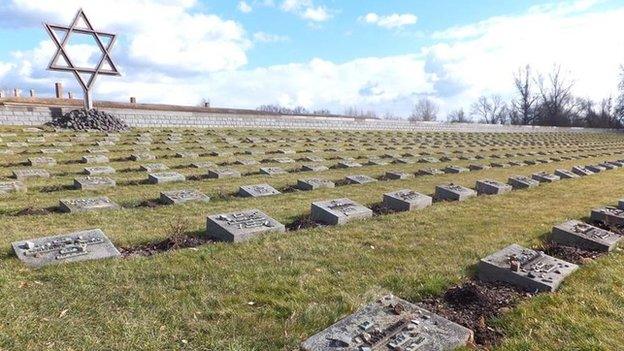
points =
(359, 179)
(105, 143)
(14, 186)
(565, 174)
(500, 165)
(87, 204)
(16, 144)
(376, 162)
(406, 200)
(453, 192)
(580, 234)
(607, 166)
(429, 171)
(272, 171)
(27, 173)
(257, 190)
(94, 159)
(42, 161)
(240, 226)
(525, 268)
(455, 169)
(165, 177)
(282, 160)
(348, 164)
(492, 187)
(154, 167)
(530, 162)
(596, 168)
(522, 182)
(99, 170)
(206, 164)
(308, 167)
(220, 173)
(254, 152)
(313, 159)
(314, 183)
(391, 324)
(174, 197)
(73, 247)
(398, 175)
(93, 183)
(286, 152)
(339, 211)
(428, 159)
(621, 204)
(143, 156)
(221, 153)
(187, 154)
(97, 151)
(581, 171)
(477, 167)
(608, 215)
(51, 151)
(7, 152)
(617, 163)
(544, 177)
(246, 162)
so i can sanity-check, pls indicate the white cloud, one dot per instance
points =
(269, 38)
(307, 10)
(244, 7)
(392, 21)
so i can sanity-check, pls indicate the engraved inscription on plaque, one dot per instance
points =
(608, 215)
(87, 204)
(240, 226)
(580, 234)
(12, 187)
(90, 183)
(257, 190)
(26, 173)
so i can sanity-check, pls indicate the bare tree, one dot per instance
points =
(425, 110)
(354, 111)
(618, 109)
(458, 116)
(523, 106)
(492, 110)
(556, 101)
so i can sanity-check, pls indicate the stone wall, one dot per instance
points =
(28, 115)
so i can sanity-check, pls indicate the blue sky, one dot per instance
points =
(380, 55)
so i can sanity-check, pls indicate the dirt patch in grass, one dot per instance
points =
(571, 254)
(32, 211)
(289, 189)
(474, 304)
(172, 243)
(152, 203)
(379, 209)
(55, 188)
(302, 222)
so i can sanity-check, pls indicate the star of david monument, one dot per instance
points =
(86, 76)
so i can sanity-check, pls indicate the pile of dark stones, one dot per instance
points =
(90, 120)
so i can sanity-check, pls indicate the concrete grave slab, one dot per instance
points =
(73, 247)
(492, 187)
(257, 190)
(314, 183)
(143, 156)
(406, 200)
(246, 162)
(99, 170)
(359, 179)
(565, 174)
(376, 162)
(241, 226)
(348, 164)
(87, 204)
(94, 159)
(175, 197)
(93, 183)
(455, 169)
(522, 182)
(453, 192)
(608, 215)
(391, 324)
(200, 165)
(220, 173)
(15, 186)
(187, 154)
(395, 175)
(596, 168)
(154, 167)
(98, 151)
(477, 167)
(165, 177)
(338, 211)
(581, 171)
(580, 234)
(28, 173)
(429, 171)
(607, 166)
(42, 161)
(272, 171)
(51, 151)
(529, 269)
(545, 177)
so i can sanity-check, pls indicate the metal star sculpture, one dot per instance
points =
(91, 73)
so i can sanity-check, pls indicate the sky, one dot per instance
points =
(321, 54)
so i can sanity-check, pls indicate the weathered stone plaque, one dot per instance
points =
(580, 234)
(206, 164)
(87, 204)
(281, 160)
(339, 211)
(257, 190)
(99, 170)
(240, 226)
(428, 159)
(51, 151)
(608, 215)
(143, 156)
(477, 167)
(391, 324)
(596, 168)
(348, 164)
(12, 187)
(94, 159)
(308, 167)
(187, 154)
(406, 200)
(78, 246)
(522, 182)
(314, 183)
(42, 161)
(182, 196)
(376, 162)
(429, 171)
(492, 187)
(360, 179)
(165, 177)
(398, 175)
(272, 170)
(525, 268)
(453, 192)
(93, 183)
(219, 173)
(565, 174)
(607, 166)
(312, 158)
(544, 177)
(154, 167)
(27, 173)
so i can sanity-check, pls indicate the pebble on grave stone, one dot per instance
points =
(455, 169)
(87, 204)
(403, 325)
(27, 173)
(580, 234)
(174, 197)
(42, 161)
(596, 168)
(165, 177)
(359, 179)
(94, 159)
(77, 246)
(93, 183)
(241, 226)
(565, 174)
(528, 269)
(12, 187)
(522, 182)
(453, 192)
(313, 168)
(477, 167)
(395, 175)
(581, 171)
(272, 171)
(142, 156)
(406, 200)
(338, 211)
(257, 190)
(99, 170)
(608, 215)
(314, 183)
(220, 173)
(544, 177)
(492, 187)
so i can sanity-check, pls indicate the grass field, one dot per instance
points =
(273, 292)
